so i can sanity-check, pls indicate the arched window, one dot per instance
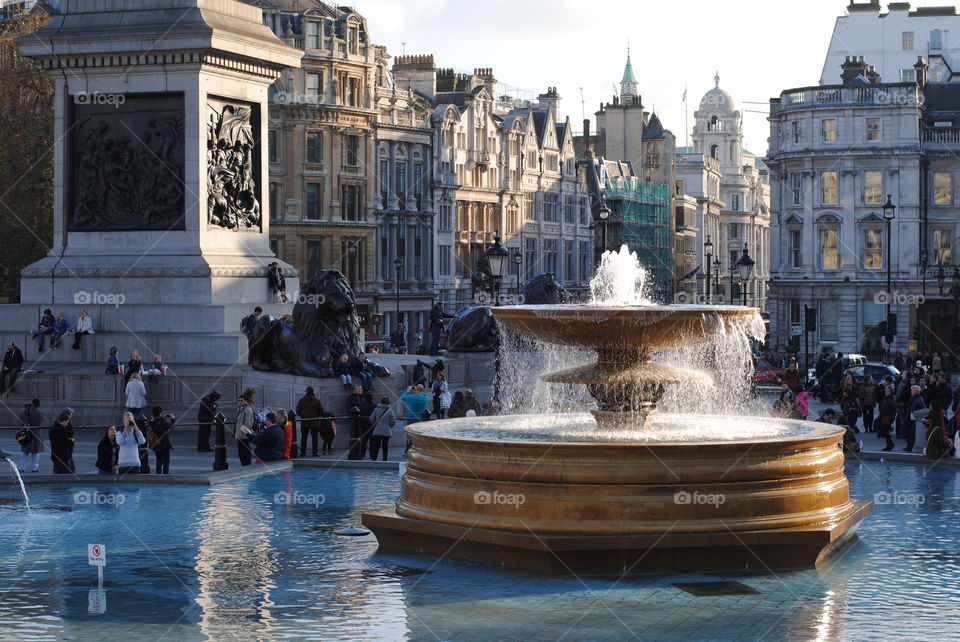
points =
(713, 126)
(713, 151)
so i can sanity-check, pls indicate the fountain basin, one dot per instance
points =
(490, 494)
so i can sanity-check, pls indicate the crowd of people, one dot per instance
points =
(918, 407)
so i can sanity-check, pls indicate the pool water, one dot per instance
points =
(257, 559)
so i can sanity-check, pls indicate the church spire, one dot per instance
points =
(628, 85)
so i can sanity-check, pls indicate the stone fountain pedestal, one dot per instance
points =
(161, 222)
(489, 490)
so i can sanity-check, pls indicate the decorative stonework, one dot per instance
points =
(126, 172)
(63, 271)
(232, 192)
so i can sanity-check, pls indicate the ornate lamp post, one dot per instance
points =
(745, 267)
(604, 214)
(518, 260)
(716, 274)
(889, 212)
(397, 336)
(497, 257)
(708, 252)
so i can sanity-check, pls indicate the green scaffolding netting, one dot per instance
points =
(640, 219)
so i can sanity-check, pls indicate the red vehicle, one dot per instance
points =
(766, 372)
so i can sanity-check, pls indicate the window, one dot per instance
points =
(312, 202)
(568, 259)
(275, 213)
(569, 209)
(908, 75)
(872, 249)
(873, 186)
(529, 207)
(584, 212)
(314, 262)
(313, 34)
(384, 182)
(446, 218)
(733, 230)
(550, 255)
(551, 207)
(735, 202)
(829, 249)
(352, 151)
(873, 129)
(446, 256)
(418, 183)
(275, 244)
(796, 188)
(936, 39)
(352, 96)
(351, 203)
(584, 260)
(530, 258)
(828, 188)
(272, 152)
(796, 248)
(314, 87)
(907, 40)
(400, 169)
(352, 34)
(794, 312)
(796, 133)
(942, 247)
(942, 188)
(828, 127)
(314, 147)
(829, 317)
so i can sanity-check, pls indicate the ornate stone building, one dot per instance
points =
(500, 166)
(742, 220)
(322, 145)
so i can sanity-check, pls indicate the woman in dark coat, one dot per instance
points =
(328, 432)
(458, 407)
(61, 443)
(107, 452)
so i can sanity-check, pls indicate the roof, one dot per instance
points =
(654, 128)
(561, 132)
(294, 6)
(718, 99)
(450, 98)
(942, 97)
(628, 72)
(540, 124)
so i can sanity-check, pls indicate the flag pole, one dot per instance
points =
(686, 119)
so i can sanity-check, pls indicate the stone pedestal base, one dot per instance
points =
(789, 548)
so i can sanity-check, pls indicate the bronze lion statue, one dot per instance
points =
(323, 326)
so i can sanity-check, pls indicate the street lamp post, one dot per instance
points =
(745, 267)
(889, 211)
(517, 260)
(497, 257)
(708, 252)
(716, 274)
(397, 264)
(733, 267)
(604, 215)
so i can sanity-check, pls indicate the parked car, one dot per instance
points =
(875, 369)
(766, 372)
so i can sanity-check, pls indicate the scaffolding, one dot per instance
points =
(640, 219)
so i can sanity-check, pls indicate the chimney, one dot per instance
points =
(922, 71)
(852, 67)
(551, 100)
(872, 74)
(417, 72)
(485, 76)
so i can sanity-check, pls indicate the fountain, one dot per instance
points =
(5, 456)
(624, 489)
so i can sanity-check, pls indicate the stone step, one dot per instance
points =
(175, 348)
(24, 318)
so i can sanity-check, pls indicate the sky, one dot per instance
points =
(759, 48)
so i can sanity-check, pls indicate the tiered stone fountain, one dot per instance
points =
(623, 490)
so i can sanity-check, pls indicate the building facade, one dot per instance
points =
(322, 146)
(893, 39)
(500, 166)
(735, 209)
(837, 153)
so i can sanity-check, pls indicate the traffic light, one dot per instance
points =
(892, 325)
(809, 319)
